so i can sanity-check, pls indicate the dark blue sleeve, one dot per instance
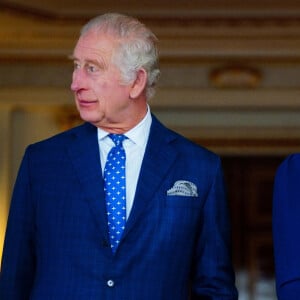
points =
(18, 260)
(286, 226)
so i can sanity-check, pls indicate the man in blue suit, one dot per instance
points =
(286, 225)
(60, 244)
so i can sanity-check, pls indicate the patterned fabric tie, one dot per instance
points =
(115, 190)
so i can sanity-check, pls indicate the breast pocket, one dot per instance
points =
(182, 211)
(183, 202)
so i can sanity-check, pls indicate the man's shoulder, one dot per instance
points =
(185, 145)
(194, 148)
(64, 137)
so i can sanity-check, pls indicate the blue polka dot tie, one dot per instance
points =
(115, 190)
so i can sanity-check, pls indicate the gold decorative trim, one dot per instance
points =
(235, 77)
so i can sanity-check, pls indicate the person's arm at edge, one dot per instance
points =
(286, 226)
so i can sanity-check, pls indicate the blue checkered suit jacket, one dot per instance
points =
(173, 247)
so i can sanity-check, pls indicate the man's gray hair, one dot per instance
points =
(137, 47)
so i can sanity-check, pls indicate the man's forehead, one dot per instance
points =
(95, 44)
(91, 51)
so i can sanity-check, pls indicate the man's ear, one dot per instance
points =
(139, 84)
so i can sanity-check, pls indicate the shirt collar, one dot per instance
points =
(138, 134)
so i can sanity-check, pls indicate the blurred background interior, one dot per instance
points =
(230, 81)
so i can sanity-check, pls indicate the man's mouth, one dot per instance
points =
(86, 102)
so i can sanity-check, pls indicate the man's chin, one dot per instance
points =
(94, 121)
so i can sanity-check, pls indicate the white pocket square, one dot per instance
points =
(183, 188)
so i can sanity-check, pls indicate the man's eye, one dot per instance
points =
(76, 66)
(91, 68)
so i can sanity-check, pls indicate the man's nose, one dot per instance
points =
(77, 80)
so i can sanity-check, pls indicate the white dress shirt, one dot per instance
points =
(134, 148)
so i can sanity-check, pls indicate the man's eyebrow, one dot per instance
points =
(89, 61)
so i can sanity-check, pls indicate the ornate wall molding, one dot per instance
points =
(194, 31)
(229, 68)
(76, 9)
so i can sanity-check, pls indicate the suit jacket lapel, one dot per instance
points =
(159, 157)
(84, 154)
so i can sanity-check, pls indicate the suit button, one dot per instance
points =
(110, 283)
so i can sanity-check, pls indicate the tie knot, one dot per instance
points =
(117, 138)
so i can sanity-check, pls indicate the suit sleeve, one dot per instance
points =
(214, 275)
(286, 225)
(18, 261)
